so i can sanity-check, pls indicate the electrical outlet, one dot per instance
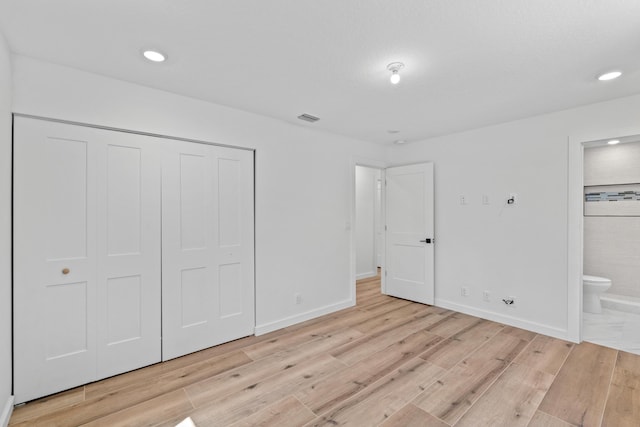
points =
(298, 299)
(463, 199)
(485, 199)
(464, 291)
(486, 296)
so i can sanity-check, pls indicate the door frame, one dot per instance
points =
(375, 164)
(575, 220)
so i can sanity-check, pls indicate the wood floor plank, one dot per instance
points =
(453, 394)
(545, 354)
(46, 405)
(579, 391)
(243, 403)
(412, 416)
(519, 333)
(321, 396)
(623, 404)
(398, 316)
(110, 385)
(383, 398)
(511, 401)
(91, 409)
(304, 335)
(148, 413)
(238, 379)
(287, 412)
(542, 419)
(455, 348)
(451, 324)
(363, 347)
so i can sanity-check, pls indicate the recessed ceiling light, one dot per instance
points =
(399, 141)
(154, 56)
(613, 142)
(611, 75)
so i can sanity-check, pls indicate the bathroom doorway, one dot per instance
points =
(611, 243)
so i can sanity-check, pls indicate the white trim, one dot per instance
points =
(505, 319)
(366, 275)
(575, 229)
(302, 317)
(6, 412)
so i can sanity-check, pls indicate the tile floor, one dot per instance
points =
(613, 328)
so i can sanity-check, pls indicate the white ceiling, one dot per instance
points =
(468, 63)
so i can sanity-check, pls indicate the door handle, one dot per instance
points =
(427, 240)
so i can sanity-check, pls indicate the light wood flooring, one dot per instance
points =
(385, 362)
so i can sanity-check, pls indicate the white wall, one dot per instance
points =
(366, 215)
(303, 178)
(516, 250)
(5, 232)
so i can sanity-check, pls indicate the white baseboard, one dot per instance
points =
(308, 315)
(366, 275)
(6, 412)
(506, 319)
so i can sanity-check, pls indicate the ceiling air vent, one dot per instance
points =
(308, 118)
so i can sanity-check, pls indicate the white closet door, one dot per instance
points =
(128, 241)
(54, 258)
(207, 247)
(86, 256)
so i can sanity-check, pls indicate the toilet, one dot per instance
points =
(592, 288)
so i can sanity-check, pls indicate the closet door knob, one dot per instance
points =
(65, 271)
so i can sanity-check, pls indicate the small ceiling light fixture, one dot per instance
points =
(613, 142)
(395, 67)
(154, 56)
(610, 75)
(399, 141)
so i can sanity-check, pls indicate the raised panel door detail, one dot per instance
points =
(409, 237)
(124, 309)
(229, 202)
(193, 297)
(65, 179)
(406, 194)
(230, 298)
(192, 201)
(123, 200)
(65, 319)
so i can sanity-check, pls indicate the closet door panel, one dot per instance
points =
(207, 294)
(54, 258)
(128, 253)
(86, 255)
(233, 192)
(187, 236)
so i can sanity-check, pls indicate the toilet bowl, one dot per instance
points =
(592, 288)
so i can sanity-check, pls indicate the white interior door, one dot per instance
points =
(207, 241)
(128, 242)
(409, 265)
(86, 255)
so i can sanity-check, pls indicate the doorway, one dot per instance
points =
(368, 221)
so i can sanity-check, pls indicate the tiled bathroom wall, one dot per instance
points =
(612, 216)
